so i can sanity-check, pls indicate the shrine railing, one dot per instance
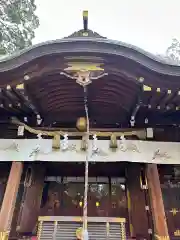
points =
(55, 227)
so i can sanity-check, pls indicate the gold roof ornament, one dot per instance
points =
(146, 88)
(85, 20)
(84, 73)
(83, 67)
(85, 31)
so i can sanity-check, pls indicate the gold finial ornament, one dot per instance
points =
(84, 73)
(81, 124)
(85, 20)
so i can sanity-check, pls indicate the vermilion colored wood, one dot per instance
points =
(7, 208)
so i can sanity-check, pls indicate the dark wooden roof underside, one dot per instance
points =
(112, 100)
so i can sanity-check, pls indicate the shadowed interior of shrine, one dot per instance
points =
(64, 193)
(116, 190)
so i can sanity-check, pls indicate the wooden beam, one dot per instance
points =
(26, 104)
(8, 205)
(157, 205)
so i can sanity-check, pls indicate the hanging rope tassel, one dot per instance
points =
(85, 237)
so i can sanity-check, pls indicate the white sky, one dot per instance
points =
(149, 24)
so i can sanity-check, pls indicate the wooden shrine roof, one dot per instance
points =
(138, 86)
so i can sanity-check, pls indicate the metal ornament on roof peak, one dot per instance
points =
(85, 33)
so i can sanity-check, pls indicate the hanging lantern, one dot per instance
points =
(81, 124)
(113, 142)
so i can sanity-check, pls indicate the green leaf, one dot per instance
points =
(17, 23)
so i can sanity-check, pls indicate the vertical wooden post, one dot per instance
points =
(157, 205)
(9, 200)
(137, 211)
(30, 206)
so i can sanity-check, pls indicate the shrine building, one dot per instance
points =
(80, 100)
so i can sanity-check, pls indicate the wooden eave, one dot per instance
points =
(112, 100)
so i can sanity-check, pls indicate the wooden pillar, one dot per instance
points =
(157, 205)
(30, 206)
(137, 204)
(9, 200)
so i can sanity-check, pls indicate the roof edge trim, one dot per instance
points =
(115, 45)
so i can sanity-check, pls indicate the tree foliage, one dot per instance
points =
(17, 24)
(173, 51)
(172, 54)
